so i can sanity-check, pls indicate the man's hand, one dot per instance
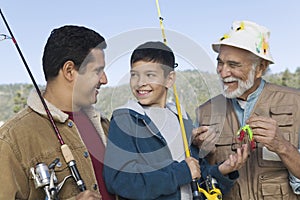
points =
(205, 138)
(194, 167)
(88, 195)
(235, 161)
(265, 131)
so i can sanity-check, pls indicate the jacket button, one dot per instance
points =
(95, 186)
(59, 164)
(70, 124)
(86, 154)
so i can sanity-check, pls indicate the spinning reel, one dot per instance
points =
(44, 177)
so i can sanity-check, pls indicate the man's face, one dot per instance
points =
(148, 83)
(89, 80)
(237, 71)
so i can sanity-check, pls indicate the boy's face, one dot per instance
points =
(148, 83)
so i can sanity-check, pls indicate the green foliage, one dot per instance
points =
(285, 78)
(12, 99)
(20, 98)
(193, 88)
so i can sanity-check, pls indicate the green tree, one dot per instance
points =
(297, 74)
(19, 102)
(20, 97)
(285, 77)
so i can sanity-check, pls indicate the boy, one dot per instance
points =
(145, 155)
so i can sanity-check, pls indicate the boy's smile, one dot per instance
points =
(143, 92)
(148, 83)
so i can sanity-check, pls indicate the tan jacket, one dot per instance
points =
(28, 138)
(261, 178)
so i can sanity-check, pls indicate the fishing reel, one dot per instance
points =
(44, 177)
(211, 191)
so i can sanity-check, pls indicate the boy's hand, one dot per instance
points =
(235, 161)
(194, 167)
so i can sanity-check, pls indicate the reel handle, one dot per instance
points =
(196, 194)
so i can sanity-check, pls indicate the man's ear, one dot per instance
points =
(69, 71)
(262, 68)
(171, 79)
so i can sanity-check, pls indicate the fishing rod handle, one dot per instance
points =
(75, 173)
(68, 156)
(196, 194)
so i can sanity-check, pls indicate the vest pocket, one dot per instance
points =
(214, 121)
(225, 134)
(273, 186)
(273, 191)
(265, 162)
(283, 115)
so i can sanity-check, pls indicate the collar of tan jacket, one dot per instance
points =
(34, 102)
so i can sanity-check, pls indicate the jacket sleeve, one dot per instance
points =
(128, 173)
(13, 179)
(294, 181)
(295, 184)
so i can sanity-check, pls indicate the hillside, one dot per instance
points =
(193, 88)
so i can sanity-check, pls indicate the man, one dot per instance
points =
(73, 64)
(272, 112)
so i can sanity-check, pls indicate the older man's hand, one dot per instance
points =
(205, 138)
(265, 131)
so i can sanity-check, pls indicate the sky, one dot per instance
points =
(191, 26)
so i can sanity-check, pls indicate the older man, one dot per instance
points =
(272, 112)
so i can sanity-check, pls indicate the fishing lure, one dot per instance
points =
(242, 132)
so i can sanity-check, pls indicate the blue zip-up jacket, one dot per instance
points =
(139, 164)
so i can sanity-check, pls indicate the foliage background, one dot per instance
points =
(193, 88)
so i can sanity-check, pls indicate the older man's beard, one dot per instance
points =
(243, 86)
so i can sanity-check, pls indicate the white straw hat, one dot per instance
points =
(249, 36)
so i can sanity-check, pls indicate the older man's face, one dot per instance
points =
(237, 71)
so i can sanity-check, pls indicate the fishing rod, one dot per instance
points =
(194, 185)
(67, 154)
(213, 193)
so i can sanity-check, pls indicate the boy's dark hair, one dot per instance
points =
(72, 43)
(156, 52)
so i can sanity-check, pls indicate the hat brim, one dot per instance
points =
(216, 48)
